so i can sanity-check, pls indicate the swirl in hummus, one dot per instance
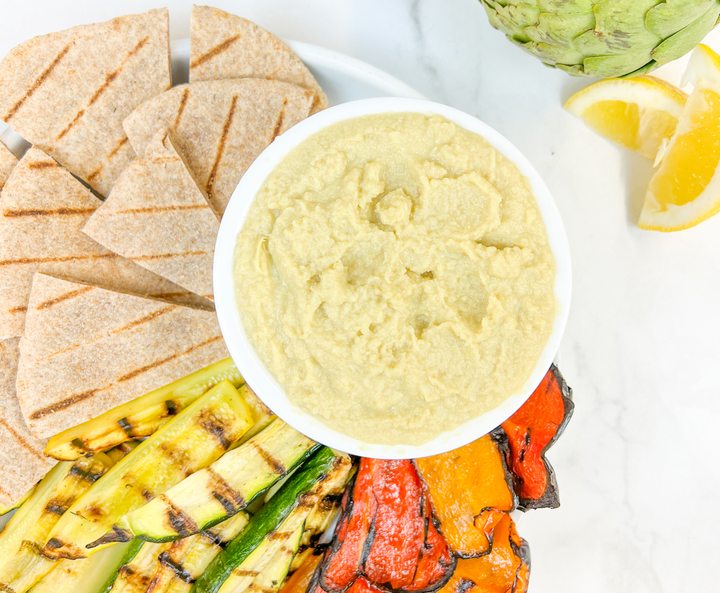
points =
(395, 276)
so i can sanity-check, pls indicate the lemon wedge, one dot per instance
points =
(638, 113)
(685, 189)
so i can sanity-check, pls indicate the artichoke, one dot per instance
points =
(605, 38)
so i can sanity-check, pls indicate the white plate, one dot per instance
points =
(342, 78)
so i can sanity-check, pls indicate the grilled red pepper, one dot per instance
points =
(531, 431)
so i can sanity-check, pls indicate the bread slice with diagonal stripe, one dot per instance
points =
(68, 92)
(22, 462)
(220, 127)
(86, 350)
(157, 216)
(223, 46)
(42, 211)
(7, 162)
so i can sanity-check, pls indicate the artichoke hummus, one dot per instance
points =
(395, 276)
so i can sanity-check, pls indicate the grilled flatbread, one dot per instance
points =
(42, 211)
(224, 46)
(68, 92)
(7, 162)
(157, 216)
(86, 350)
(220, 127)
(22, 462)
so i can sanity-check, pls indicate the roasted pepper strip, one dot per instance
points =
(505, 570)
(531, 431)
(471, 490)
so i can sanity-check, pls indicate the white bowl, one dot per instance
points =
(254, 370)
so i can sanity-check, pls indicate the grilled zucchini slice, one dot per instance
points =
(227, 486)
(87, 575)
(271, 577)
(287, 510)
(136, 574)
(21, 562)
(186, 559)
(141, 417)
(194, 439)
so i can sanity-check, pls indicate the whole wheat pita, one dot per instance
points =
(22, 462)
(86, 350)
(7, 162)
(68, 92)
(220, 127)
(157, 216)
(42, 211)
(223, 46)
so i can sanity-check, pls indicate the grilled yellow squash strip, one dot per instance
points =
(194, 439)
(141, 417)
(24, 536)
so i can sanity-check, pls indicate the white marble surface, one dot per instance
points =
(637, 466)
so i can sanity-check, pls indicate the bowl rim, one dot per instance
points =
(259, 377)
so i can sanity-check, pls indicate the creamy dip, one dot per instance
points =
(394, 274)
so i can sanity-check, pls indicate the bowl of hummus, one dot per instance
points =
(392, 278)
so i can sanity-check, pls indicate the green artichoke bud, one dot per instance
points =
(605, 38)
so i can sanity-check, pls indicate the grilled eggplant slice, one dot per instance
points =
(287, 510)
(194, 439)
(227, 486)
(141, 417)
(21, 561)
(84, 576)
(531, 431)
(471, 490)
(180, 565)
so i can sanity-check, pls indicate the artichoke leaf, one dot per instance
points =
(565, 7)
(560, 29)
(671, 16)
(619, 29)
(686, 39)
(617, 65)
(552, 54)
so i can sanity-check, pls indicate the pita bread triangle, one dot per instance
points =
(223, 45)
(157, 216)
(22, 462)
(86, 350)
(68, 92)
(42, 211)
(220, 127)
(7, 162)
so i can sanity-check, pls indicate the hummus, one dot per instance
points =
(394, 274)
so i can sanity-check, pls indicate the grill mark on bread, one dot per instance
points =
(42, 165)
(221, 147)
(279, 123)
(112, 153)
(274, 463)
(215, 51)
(22, 440)
(20, 309)
(44, 260)
(52, 212)
(126, 327)
(168, 255)
(61, 405)
(157, 363)
(64, 297)
(153, 209)
(38, 82)
(181, 107)
(98, 93)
